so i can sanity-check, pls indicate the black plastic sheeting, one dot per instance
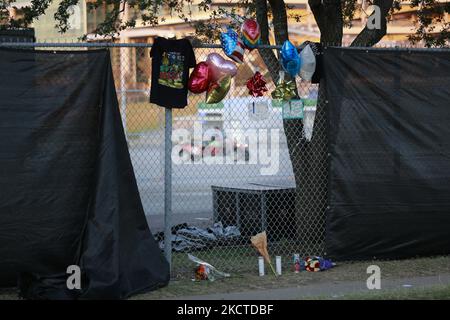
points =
(389, 145)
(68, 191)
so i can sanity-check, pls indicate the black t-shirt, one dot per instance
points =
(171, 60)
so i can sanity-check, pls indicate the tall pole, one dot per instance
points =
(168, 186)
(124, 67)
(123, 83)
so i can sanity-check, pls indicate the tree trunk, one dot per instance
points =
(293, 127)
(310, 158)
(280, 24)
(328, 16)
(268, 55)
(311, 161)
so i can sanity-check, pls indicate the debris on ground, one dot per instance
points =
(188, 238)
(205, 271)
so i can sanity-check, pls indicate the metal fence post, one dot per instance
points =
(123, 85)
(168, 186)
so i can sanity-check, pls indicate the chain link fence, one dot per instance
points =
(220, 200)
(245, 165)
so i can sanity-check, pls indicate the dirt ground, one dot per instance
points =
(343, 272)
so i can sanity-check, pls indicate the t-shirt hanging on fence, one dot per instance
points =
(389, 146)
(171, 60)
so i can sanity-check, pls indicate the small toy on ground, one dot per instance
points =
(316, 264)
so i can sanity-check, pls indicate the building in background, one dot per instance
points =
(45, 26)
(83, 22)
(401, 25)
(132, 67)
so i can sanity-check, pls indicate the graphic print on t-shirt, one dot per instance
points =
(171, 70)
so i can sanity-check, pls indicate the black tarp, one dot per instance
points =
(389, 145)
(68, 193)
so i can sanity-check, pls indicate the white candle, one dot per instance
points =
(278, 264)
(261, 266)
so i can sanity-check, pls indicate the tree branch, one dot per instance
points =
(267, 55)
(328, 16)
(369, 37)
(316, 6)
(263, 21)
(279, 20)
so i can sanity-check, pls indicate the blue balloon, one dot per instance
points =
(228, 40)
(232, 45)
(290, 59)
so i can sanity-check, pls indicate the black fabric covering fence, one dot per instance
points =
(389, 144)
(68, 193)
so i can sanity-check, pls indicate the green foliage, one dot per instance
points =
(431, 17)
(349, 8)
(431, 26)
(30, 13)
(63, 13)
(209, 31)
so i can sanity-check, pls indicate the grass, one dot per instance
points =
(431, 293)
(347, 271)
(241, 258)
(142, 117)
